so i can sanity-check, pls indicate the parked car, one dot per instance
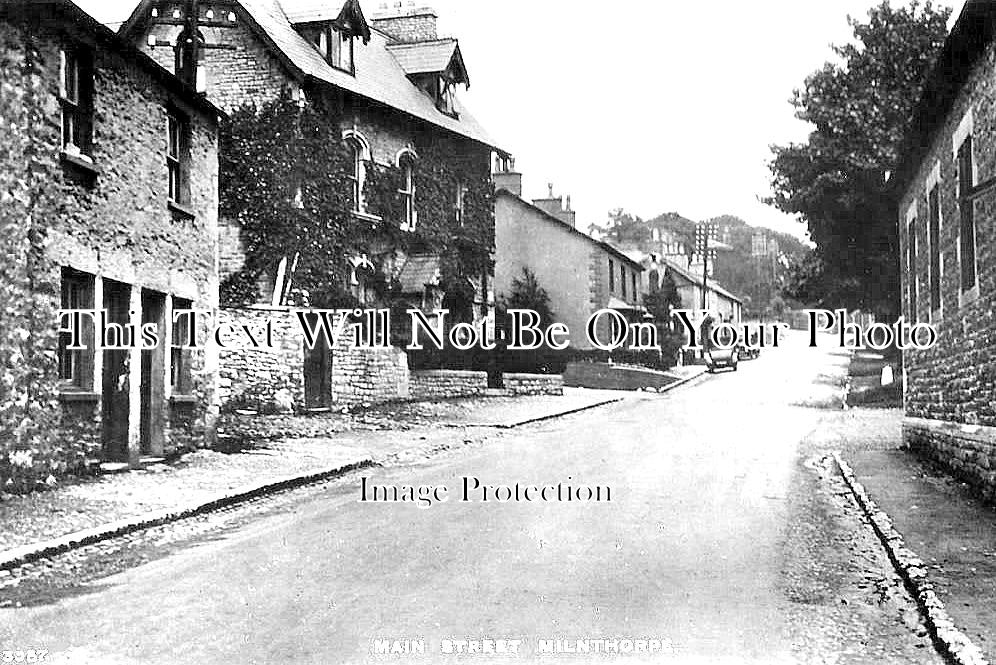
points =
(747, 352)
(716, 358)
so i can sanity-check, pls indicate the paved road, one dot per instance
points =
(690, 549)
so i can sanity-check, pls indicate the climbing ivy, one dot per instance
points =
(285, 181)
(30, 198)
(465, 247)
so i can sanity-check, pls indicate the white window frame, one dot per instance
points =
(965, 131)
(361, 156)
(913, 294)
(934, 180)
(406, 160)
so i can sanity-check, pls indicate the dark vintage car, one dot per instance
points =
(747, 352)
(716, 358)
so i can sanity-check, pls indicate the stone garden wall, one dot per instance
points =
(968, 451)
(534, 384)
(446, 384)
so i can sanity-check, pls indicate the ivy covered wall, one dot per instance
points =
(286, 187)
(29, 414)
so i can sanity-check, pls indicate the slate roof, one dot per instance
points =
(379, 76)
(697, 280)
(429, 57)
(968, 40)
(81, 18)
(543, 214)
(419, 272)
(307, 11)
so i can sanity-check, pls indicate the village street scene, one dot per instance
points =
(311, 353)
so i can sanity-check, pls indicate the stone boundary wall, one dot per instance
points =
(271, 378)
(968, 451)
(363, 377)
(534, 384)
(265, 376)
(447, 384)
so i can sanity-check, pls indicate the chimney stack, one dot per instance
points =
(555, 206)
(405, 22)
(505, 176)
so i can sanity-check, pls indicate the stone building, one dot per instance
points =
(946, 186)
(108, 202)
(582, 275)
(391, 81)
(688, 282)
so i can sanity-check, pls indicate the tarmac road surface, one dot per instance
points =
(688, 550)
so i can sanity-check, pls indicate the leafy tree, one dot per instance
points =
(623, 230)
(860, 107)
(528, 294)
(661, 301)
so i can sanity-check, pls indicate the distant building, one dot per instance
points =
(581, 274)
(113, 161)
(665, 241)
(946, 185)
(689, 285)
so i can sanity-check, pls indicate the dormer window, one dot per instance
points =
(446, 98)
(335, 46)
(341, 55)
(436, 67)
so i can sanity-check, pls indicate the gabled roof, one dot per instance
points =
(70, 11)
(501, 191)
(697, 280)
(971, 34)
(379, 76)
(430, 57)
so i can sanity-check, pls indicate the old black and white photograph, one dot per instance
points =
(670, 340)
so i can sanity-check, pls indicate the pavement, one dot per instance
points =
(724, 539)
(272, 453)
(948, 526)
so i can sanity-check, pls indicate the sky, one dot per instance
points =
(651, 106)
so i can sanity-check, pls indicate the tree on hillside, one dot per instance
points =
(837, 181)
(623, 230)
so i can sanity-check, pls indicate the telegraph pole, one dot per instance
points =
(703, 232)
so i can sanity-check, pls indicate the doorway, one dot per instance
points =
(115, 383)
(153, 377)
(317, 373)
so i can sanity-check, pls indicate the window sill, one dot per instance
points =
(68, 395)
(181, 210)
(366, 217)
(79, 161)
(183, 400)
(970, 296)
(344, 70)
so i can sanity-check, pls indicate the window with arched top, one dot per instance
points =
(359, 154)
(406, 162)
